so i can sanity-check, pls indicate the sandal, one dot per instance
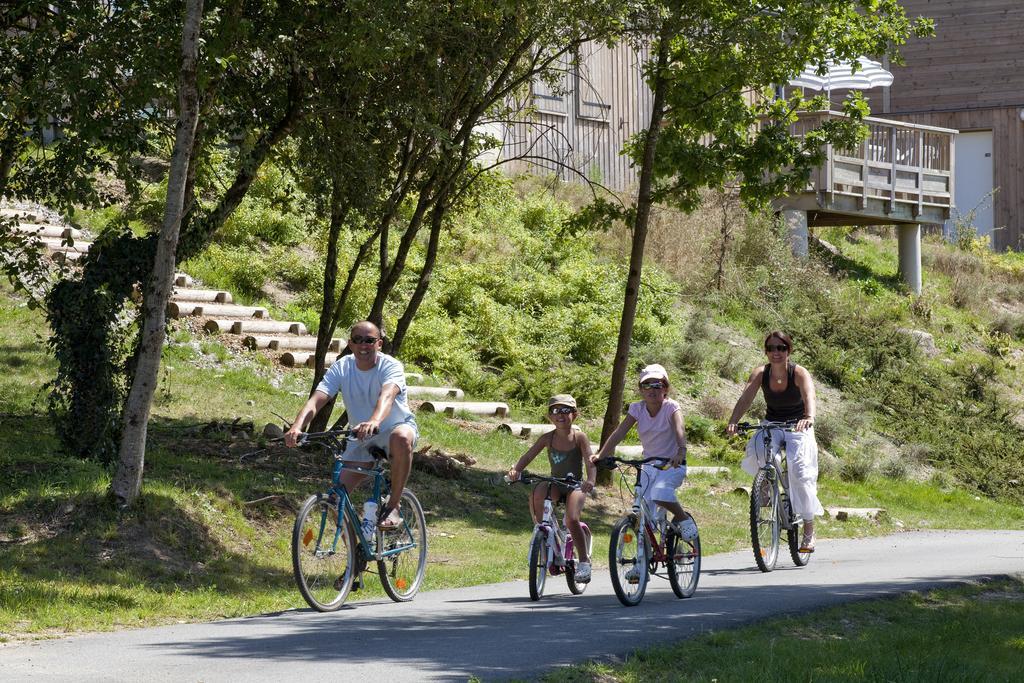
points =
(807, 545)
(390, 520)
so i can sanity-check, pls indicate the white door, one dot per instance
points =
(973, 181)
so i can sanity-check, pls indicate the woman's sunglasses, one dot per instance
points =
(653, 385)
(776, 347)
(561, 410)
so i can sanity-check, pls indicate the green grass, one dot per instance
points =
(198, 547)
(969, 633)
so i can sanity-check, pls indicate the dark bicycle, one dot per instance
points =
(642, 542)
(330, 551)
(770, 509)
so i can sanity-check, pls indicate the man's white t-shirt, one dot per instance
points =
(360, 390)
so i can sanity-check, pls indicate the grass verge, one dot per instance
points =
(968, 633)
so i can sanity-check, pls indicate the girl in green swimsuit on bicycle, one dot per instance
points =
(568, 453)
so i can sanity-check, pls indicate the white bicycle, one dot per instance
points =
(551, 546)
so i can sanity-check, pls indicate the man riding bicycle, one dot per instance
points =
(372, 386)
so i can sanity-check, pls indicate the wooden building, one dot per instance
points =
(582, 120)
(970, 77)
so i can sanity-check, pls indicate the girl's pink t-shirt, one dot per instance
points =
(656, 433)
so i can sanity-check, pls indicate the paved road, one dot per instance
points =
(496, 632)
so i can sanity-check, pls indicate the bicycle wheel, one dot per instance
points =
(683, 564)
(538, 564)
(794, 536)
(627, 561)
(403, 551)
(764, 521)
(570, 568)
(323, 554)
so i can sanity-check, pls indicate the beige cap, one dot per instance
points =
(653, 371)
(562, 400)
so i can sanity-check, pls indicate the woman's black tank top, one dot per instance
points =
(782, 405)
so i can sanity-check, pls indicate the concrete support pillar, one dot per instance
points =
(796, 226)
(910, 255)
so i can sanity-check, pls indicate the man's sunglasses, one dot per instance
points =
(776, 347)
(657, 384)
(561, 410)
(358, 339)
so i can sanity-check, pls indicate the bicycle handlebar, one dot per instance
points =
(331, 435)
(612, 460)
(750, 427)
(527, 478)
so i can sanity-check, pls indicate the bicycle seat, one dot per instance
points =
(377, 452)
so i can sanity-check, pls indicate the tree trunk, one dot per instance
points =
(436, 221)
(127, 482)
(613, 414)
(339, 210)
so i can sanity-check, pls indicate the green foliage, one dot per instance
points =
(529, 310)
(700, 430)
(93, 339)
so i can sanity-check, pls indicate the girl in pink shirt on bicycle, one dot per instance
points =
(659, 422)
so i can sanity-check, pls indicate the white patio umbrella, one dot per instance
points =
(839, 75)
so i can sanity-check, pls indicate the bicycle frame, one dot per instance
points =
(557, 539)
(776, 469)
(655, 536)
(347, 510)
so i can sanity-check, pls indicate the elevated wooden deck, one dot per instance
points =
(901, 173)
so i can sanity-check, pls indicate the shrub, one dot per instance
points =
(968, 291)
(731, 366)
(714, 407)
(700, 430)
(856, 466)
(895, 468)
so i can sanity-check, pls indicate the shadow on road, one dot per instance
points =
(501, 637)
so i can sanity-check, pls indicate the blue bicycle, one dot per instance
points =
(330, 550)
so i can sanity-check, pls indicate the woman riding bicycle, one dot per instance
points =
(568, 452)
(789, 394)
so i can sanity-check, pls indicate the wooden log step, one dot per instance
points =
(843, 514)
(213, 296)
(297, 343)
(526, 429)
(436, 392)
(183, 280)
(295, 359)
(265, 326)
(298, 359)
(219, 326)
(254, 342)
(622, 450)
(51, 231)
(703, 470)
(495, 408)
(180, 309)
(21, 215)
(302, 343)
(55, 244)
(232, 310)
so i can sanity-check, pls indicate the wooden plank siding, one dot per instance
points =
(970, 77)
(581, 122)
(1007, 157)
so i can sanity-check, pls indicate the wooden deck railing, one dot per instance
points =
(908, 166)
